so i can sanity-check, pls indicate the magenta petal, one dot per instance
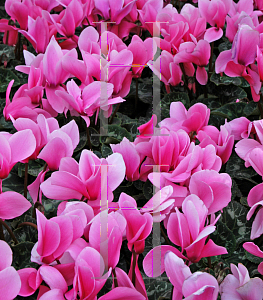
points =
(12, 205)
(48, 235)
(213, 34)
(53, 278)
(53, 152)
(257, 226)
(222, 60)
(30, 281)
(66, 234)
(10, 283)
(27, 145)
(153, 263)
(123, 293)
(58, 192)
(54, 294)
(201, 75)
(6, 255)
(211, 249)
(116, 170)
(253, 249)
(176, 270)
(65, 179)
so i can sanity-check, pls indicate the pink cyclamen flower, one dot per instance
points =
(83, 179)
(38, 33)
(116, 225)
(138, 226)
(131, 157)
(212, 188)
(56, 235)
(89, 265)
(188, 230)
(215, 12)
(10, 154)
(239, 286)
(192, 120)
(10, 282)
(194, 286)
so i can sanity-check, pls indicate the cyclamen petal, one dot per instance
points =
(12, 205)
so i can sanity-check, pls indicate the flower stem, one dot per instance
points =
(165, 236)
(88, 138)
(3, 223)
(114, 113)
(25, 180)
(2, 237)
(115, 278)
(27, 223)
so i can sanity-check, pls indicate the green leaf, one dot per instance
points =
(235, 218)
(50, 207)
(145, 89)
(225, 80)
(7, 52)
(34, 168)
(224, 237)
(235, 191)
(94, 137)
(5, 125)
(157, 288)
(125, 187)
(231, 110)
(235, 167)
(22, 255)
(13, 183)
(116, 121)
(82, 141)
(5, 77)
(227, 93)
(254, 259)
(148, 189)
(105, 150)
(226, 45)
(173, 97)
(138, 184)
(125, 119)
(116, 132)
(27, 233)
(216, 120)
(250, 108)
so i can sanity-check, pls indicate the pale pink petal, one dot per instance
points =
(176, 270)
(253, 289)
(6, 255)
(53, 152)
(30, 281)
(253, 249)
(58, 192)
(12, 205)
(116, 170)
(10, 283)
(153, 263)
(27, 145)
(213, 34)
(54, 294)
(53, 278)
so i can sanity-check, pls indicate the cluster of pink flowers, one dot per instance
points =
(79, 249)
